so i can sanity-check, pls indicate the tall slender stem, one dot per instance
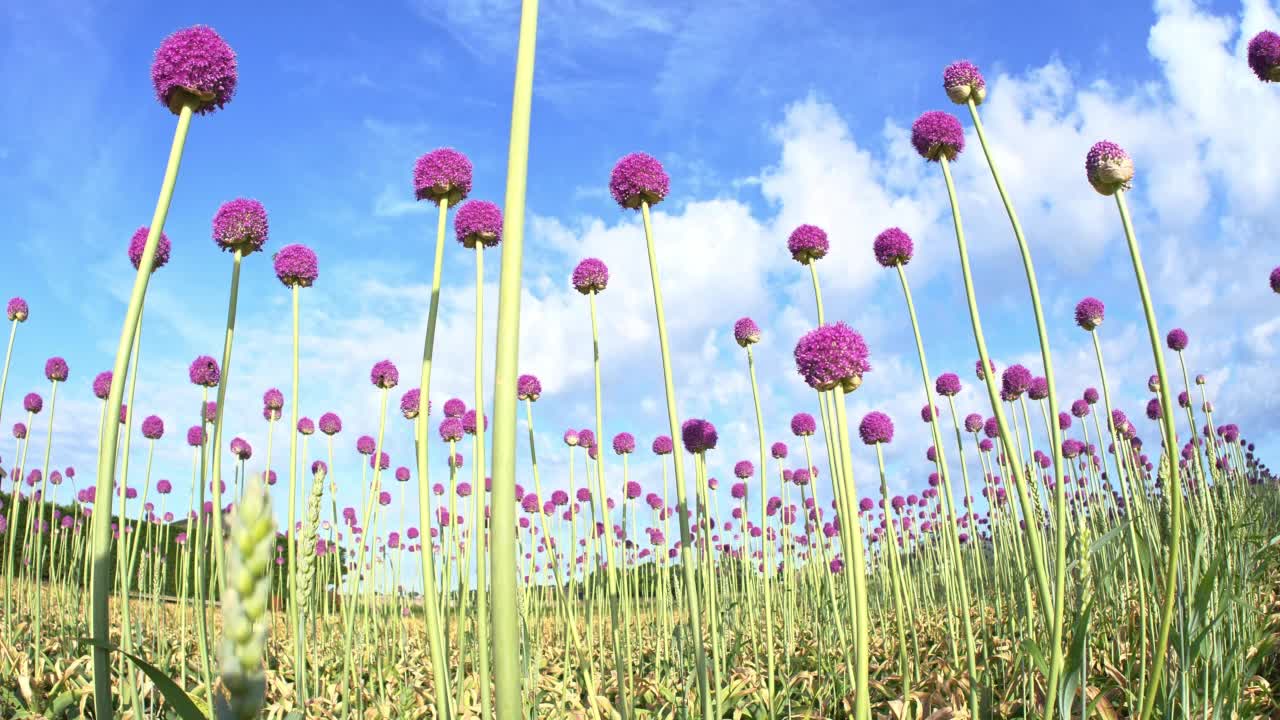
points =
(299, 643)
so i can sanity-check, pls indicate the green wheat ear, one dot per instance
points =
(307, 554)
(245, 606)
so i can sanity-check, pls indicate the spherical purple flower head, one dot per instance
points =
(318, 467)
(985, 445)
(978, 370)
(831, 356)
(296, 265)
(194, 65)
(1153, 409)
(973, 422)
(1177, 339)
(893, 247)
(963, 82)
(330, 424)
(1080, 408)
(55, 369)
(937, 134)
(586, 438)
(632, 490)
(1264, 56)
(801, 477)
(402, 474)
(1108, 167)
(273, 399)
(1038, 389)
(409, 403)
(454, 407)
(478, 222)
(195, 436)
(1089, 313)
(662, 445)
(270, 414)
(455, 462)
(384, 498)
(204, 372)
(366, 445)
(528, 387)
(1119, 421)
(384, 461)
(241, 449)
(947, 385)
(638, 178)
(384, 375)
(138, 243)
(33, 403)
(1091, 395)
(469, 422)
(240, 224)
(876, 427)
(803, 424)
(152, 428)
(306, 426)
(927, 414)
(808, 243)
(102, 385)
(18, 310)
(778, 450)
(1071, 448)
(743, 469)
(583, 494)
(590, 276)
(698, 435)
(1064, 421)
(991, 428)
(442, 174)
(1015, 380)
(746, 332)
(624, 443)
(1275, 280)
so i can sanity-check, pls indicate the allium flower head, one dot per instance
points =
(876, 427)
(55, 369)
(1201, 379)
(803, 424)
(808, 243)
(384, 375)
(1038, 389)
(1108, 167)
(296, 265)
(978, 370)
(194, 65)
(662, 445)
(1015, 380)
(33, 403)
(17, 310)
(384, 461)
(591, 275)
(241, 448)
(947, 385)
(973, 422)
(273, 399)
(195, 436)
(409, 403)
(330, 424)
(469, 422)
(451, 429)
(698, 435)
(746, 332)
(638, 178)
(306, 426)
(1264, 56)
(1275, 280)
(963, 82)
(528, 387)
(443, 174)
(204, 372)
(240, 224)
(632, 491)
(743, 469)
(1177, 340)
(831, 356)
(1080, 408)
(152, 427)
(454, 407)
(102, 385)
(586, 438)
(164, 487)
(478, 222)
(991, 428)
(893, 247)
(571, 437)
(1089, 313)
(937, 134)
(1091, 395)
(778, 450)
(365, 445)
(624, 443)
(138, 243)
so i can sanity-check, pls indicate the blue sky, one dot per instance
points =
(766, 116)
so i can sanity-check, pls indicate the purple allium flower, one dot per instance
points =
(273, 399)
(586, 438)
(779, 451)
(33, 403)
(1015, 380)
(985, 445)
(204, 372)
(1275, 280)
(803, 424)
(808, 243)
(384, 461)
(124, 413)
(194, 65)
(1108, 167)
(138, 243)
(746, 332)
(583, 494)
(469, 422)
(743, 469)
(662, 445)
(409, 403)
(306, 426)
(876, 427)
(463, 489)
(738, 491)
(164, 487)
(1071, 448)
(456, 461)
(478, 221)
(571, 437)
(384, 375)
(624, 443)
(270, 414)
(1064, 420)
(977, 368)
(1184, 400)
(893, 247)
(1119, 421)
(1264, 56)
(973, 422)
(330, 424)
(638, 178)
(1177, 340)
(241, 448)
(1080, 408)
(102, 385)
(591, 275)
(1089, 313)
(152, 427)
(1153, 409)
(384, 498)
(296, 265)
(55, 369)
(937, 134)
(801, 477)
(831, 356)
(319, 466)
(1091, 395)
(240, 224)
(991, 428)
(528, 387)
(948, 385)
(195, 436)
(632, 490)
(963, 82)
(18, 310)
(454, 408)
(1038, 389)
(442, 174)
(698, 435)
(366, 445)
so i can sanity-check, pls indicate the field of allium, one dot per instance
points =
(1053, 564)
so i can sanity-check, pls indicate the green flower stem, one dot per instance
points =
(686, 540)
(435, 631)
(477, 485)
(1172, 484)
(107, 452)
(219, 559)
(899, 592)
(39, 508)
(21, 450)
(856, 568)
(765, 544)
(299, 643)
(13, 536)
